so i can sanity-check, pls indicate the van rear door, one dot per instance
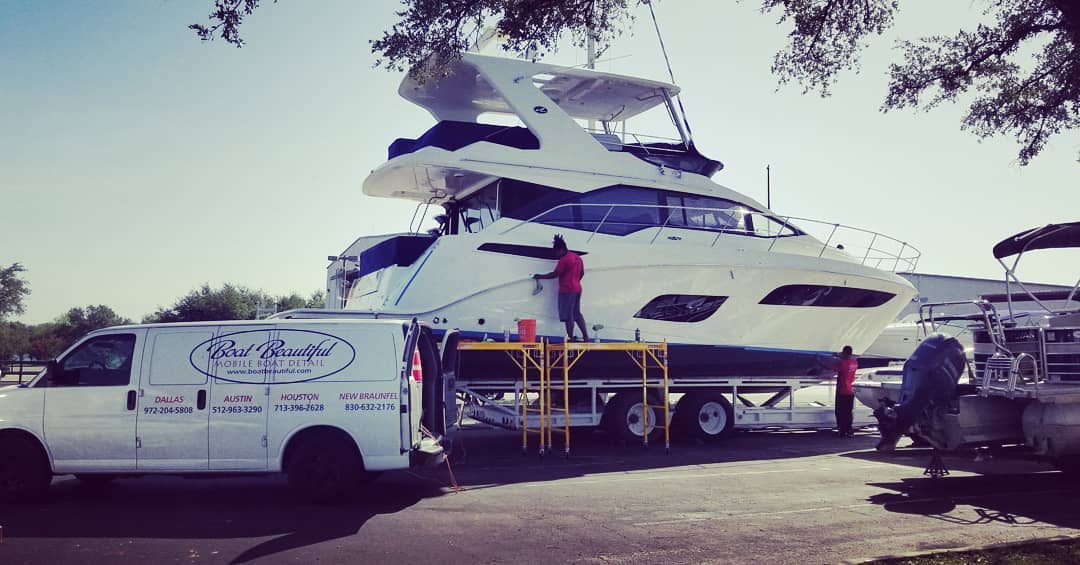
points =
(411, 397)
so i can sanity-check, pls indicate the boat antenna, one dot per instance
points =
(768, 188)
(667, 61)
(590, 58)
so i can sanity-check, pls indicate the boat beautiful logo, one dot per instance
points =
(272, 356)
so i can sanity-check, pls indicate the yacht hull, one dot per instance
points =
(458, 284)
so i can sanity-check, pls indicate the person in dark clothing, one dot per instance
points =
(845, 366)
(569, 270)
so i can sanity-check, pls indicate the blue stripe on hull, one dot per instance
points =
(685, 361)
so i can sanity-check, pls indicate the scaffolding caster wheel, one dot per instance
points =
(936, 469)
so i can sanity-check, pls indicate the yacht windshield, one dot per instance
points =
(622, 210)
(478, 210)
(615, 210)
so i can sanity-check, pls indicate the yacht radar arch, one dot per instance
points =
(460, 154)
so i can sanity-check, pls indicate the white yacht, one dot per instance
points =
(669, 254)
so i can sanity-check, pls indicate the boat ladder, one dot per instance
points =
(1004, 375)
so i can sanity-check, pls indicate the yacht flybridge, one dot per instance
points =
(669, 255)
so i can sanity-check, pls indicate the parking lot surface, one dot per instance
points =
(776, 497)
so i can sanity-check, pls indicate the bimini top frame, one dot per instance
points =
(1050, 236)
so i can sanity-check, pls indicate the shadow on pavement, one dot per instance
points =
(1009, 487)
(489, 458)
(254, 507)
(1020, 499)
(177, 508)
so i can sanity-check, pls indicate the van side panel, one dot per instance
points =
(239, 397)
(341, 375)
(171, 425)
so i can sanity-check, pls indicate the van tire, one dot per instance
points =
(705, 416)
(324, 467)
(24, 471)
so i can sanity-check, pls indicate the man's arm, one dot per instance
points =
(830, 362)
(553, 274)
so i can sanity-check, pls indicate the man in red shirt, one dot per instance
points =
(569, 270)
(845, 366)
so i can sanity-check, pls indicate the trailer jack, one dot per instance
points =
(936, 468)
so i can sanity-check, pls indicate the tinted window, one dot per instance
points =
(622, 210)
(101, 361)
(637, 210)
(829, 296)
(524, 200)
(480, 209)
(703, 212)
(681, 307)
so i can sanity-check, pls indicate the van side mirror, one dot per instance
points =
(52, 371)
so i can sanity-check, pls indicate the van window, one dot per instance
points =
(170, 362)
(101, 361)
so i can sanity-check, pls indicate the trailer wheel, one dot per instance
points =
(24, 471)
(624, 418)
(706, 416)
(324, 467)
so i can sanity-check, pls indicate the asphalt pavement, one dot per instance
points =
(759, 497)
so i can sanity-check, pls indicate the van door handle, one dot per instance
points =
(131, 400)
(201, 399)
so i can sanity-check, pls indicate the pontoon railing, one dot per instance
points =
(863, 246)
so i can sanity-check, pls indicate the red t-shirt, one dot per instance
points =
(845, 376)
(570, 270)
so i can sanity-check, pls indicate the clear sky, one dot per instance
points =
(137, 163)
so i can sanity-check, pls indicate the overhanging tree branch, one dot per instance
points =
(826, 38)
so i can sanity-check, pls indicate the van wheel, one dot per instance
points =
(24, 471)
(626, 420)
(324, 468)
(705, 416)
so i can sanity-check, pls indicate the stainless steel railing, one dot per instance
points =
(861, 245)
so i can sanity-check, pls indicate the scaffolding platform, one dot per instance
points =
(542, 402)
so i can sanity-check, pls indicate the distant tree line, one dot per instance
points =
(45, 341)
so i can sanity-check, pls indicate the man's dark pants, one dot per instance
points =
(844, 407)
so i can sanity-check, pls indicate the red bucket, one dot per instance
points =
(527, 331)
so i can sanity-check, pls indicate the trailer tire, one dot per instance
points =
(623, 418)
(24, 470)
(706, 416)
(324, 467)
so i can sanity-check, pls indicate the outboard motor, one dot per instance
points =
(931, 375)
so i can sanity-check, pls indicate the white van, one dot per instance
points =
(329, 402)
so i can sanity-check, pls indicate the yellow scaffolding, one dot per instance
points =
(644, 354)
(527, 357)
